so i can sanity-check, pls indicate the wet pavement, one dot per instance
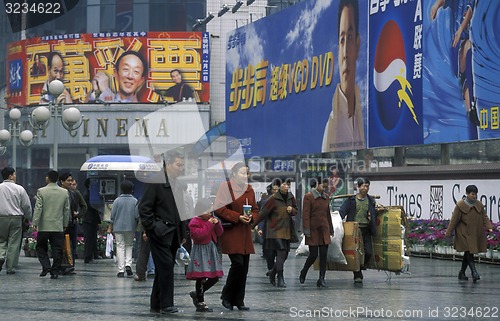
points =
(431, 292)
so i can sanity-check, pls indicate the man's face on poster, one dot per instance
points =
(176, 76)
(349, 43)
(56, 69)
(129, 75)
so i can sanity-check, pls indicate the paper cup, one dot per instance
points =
(247, 209)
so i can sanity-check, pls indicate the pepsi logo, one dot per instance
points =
(389, 74)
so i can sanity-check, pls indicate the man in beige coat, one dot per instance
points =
(50, 218)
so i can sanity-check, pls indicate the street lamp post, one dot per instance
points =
(25, 137)
(71, 119)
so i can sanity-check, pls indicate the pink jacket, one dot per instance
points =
(202, 231)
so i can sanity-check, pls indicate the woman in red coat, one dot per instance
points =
(317, 225)
(237, 240)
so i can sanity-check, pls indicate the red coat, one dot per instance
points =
(316, 219)
(237, 239)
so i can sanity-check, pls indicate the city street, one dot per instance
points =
(431, 292)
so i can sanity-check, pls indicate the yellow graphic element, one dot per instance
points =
(489, 119)
(404, 96)
(494, 118)
(235, 95)
(166, 54)
(249, 85)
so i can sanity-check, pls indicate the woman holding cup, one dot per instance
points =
(234, 199)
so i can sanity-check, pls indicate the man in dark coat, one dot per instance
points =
(361, 208)
(181, 90)
(159, 211)
(91, 221)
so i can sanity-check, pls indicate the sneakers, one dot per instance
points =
(129, 271)
(139, 278)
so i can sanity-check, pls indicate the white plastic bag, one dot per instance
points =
(182, 256)
(109, 245)
(303, 249)
(335, 253)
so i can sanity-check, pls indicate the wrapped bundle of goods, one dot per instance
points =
(351, 248)
(389, 243)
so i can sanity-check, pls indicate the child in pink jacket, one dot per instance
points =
(206, 262)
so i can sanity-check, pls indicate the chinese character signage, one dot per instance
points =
(126, 67)
(291, 86)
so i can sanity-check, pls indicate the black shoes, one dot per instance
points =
(227, 304)
(242, 307)
(461, 276)
(68, 270)
(11, 272)
(272, 276)
(139, 278)
(44, 273)
(302, 276)
(54, 276)
(203, 307)
(128, 269)
(194, 297)
(169, 310)
(120, 274)
(321, 283)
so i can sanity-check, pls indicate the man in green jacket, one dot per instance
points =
(50, 218)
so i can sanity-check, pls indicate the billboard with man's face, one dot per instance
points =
(296, 80)
(128, 67)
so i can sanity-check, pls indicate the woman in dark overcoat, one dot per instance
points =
(468, 221)
(317, 226)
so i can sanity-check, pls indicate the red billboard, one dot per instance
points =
(126, 67)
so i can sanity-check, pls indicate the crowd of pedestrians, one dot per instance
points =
(224, 223)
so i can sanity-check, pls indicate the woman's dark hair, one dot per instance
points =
(471, 189)
(313, 183)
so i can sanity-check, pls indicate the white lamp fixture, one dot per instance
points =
(71, 118)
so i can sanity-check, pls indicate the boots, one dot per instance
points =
(321, 281)
(461, 275)
(281, 280)
(302, 276)
(475, 275)
(272, 276)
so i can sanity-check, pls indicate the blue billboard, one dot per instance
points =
(396, 58)
(327, 75)
(295, 84)
(462, 59)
